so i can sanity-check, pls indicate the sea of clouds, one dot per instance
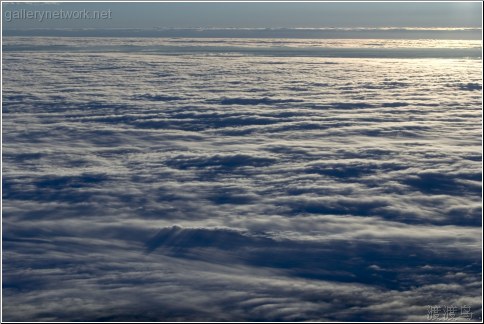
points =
(179, 183)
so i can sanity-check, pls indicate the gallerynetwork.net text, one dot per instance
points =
(42, 15)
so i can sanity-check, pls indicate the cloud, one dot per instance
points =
(212, 187)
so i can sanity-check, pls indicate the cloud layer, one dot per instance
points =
(157, 187)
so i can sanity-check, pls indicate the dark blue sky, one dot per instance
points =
(182, 15)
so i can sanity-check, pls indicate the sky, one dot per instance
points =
(256, 15)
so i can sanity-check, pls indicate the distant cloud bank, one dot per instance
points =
(304, 33)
